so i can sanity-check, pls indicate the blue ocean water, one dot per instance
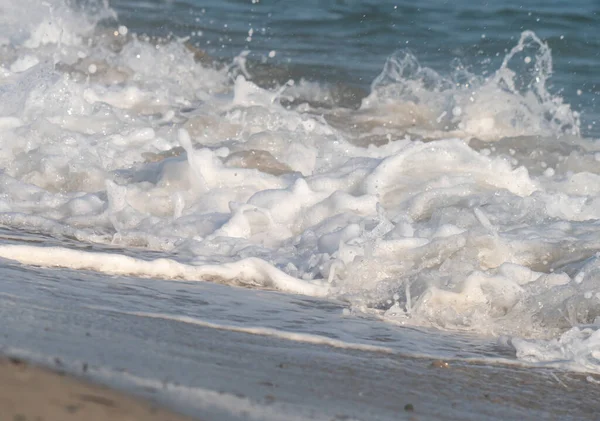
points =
(349, 41)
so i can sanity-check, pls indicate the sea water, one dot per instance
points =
(417, 180)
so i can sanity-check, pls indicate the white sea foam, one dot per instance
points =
(439, 203)
(250, 271)
(514, 101)
(576, 349)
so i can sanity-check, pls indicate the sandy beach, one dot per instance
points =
(32, 393)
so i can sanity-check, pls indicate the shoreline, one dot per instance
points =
(53, 324)
(30, 392)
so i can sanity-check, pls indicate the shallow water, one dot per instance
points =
(409, 181)
(223, 353)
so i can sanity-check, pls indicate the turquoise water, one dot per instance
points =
(349, 40)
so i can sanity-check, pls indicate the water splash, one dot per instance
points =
(513, 101)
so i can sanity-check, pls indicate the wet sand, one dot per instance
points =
(32, 393)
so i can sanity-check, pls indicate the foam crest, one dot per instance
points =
(576, 349)
(514, 101)
(427, 161)
(246, 271)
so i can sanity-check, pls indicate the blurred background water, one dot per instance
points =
(348, 41)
